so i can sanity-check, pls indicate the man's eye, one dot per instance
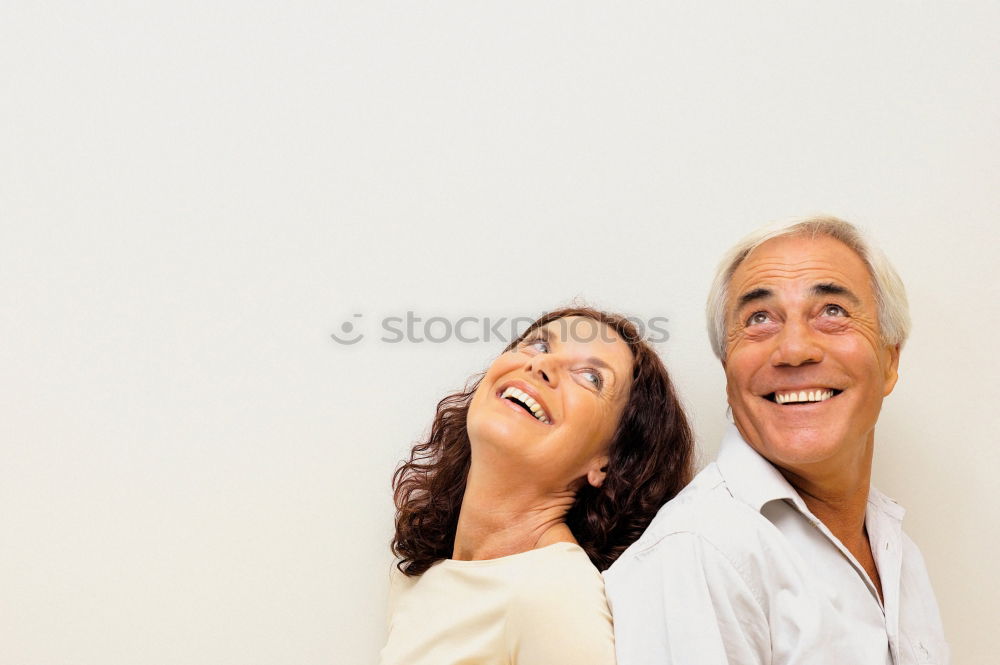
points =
(834, 310)
(758, 318)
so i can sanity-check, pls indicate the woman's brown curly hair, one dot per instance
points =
(650, 458)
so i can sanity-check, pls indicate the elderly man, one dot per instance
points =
(781, 552)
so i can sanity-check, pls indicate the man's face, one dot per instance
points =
(806, 369)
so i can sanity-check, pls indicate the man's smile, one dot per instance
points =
(804, 395)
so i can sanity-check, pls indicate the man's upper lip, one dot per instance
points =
(805, 386)
(531, 390)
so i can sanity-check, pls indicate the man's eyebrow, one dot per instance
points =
(755, 294)
(834, 289)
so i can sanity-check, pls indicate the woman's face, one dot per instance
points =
(554, 401)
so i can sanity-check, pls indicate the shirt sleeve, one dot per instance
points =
(399, 583)
(682, 601)
(566, 621)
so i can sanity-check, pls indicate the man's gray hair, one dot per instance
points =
(890, 295)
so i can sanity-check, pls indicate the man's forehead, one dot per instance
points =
(808, 262)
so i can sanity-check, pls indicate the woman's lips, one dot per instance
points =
(526, 401)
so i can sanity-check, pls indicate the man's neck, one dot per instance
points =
(839, 505)
(839, 499)
(499, 518)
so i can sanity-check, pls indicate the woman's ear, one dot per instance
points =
(598, 471)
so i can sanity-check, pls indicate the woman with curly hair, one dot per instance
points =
(533, 480)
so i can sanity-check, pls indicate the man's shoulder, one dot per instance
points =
(708, 514)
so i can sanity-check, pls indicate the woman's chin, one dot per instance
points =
(500, 433)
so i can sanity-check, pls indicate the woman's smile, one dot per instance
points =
(525, 398)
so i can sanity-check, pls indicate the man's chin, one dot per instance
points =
(786, 445)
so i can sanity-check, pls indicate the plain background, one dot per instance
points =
(195, 195)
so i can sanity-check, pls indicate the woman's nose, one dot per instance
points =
(544, 366)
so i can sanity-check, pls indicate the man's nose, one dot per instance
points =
(797, 344)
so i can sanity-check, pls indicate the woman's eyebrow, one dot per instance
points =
(600, 364)
(538, 334)
(597, 362)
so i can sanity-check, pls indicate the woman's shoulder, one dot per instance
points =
(560, 563)
(559, 612)
(557, 574)
(557, 577)
(545, 605)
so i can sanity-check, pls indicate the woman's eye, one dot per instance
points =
(594, 377)
(834, 310)
(758, 318)
(539, 345)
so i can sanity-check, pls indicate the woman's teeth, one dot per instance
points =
(803, 396)
(524, 398)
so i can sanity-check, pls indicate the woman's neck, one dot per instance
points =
(500, 517)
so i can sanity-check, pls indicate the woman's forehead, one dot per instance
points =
(589, 336)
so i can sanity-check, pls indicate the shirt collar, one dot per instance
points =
(756, 482)
(885, 504)
(751, 478)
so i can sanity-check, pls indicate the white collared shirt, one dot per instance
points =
(737, 571)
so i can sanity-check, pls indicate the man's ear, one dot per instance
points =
(891, 369)
(598, 471)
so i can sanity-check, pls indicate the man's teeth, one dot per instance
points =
(524, 398)
(803, 396)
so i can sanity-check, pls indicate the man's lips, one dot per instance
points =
(803, 395)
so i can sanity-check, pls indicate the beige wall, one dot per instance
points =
(194, 198)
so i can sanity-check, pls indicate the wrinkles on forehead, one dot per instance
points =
(797, 271)
(768, 273)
